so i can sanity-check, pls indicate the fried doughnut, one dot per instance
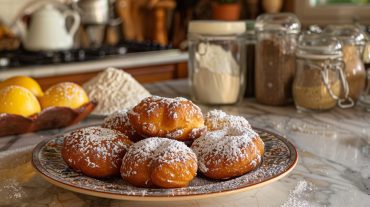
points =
(217, 120)
(228, 152)
(119, 121)
(174, 118)
(95, 151)
(159, 162)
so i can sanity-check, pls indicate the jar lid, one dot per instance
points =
(250, 24)
(318, 46)
(347, 33)
(212, 27)
(286, 22)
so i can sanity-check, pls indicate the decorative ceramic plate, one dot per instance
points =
(279, 159)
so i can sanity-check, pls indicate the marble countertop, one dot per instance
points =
(333, 169)
(121, 61)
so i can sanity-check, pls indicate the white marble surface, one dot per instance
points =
(123, 61)
(333, 170)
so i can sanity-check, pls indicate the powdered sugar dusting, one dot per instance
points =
(217, 119)
(159, 150)
(172, 104)
(117, 119)
(95, 135)
(97, 141)
(227, 144)
(176, 133)
(174, 110)
(227, 136)
(12, 189)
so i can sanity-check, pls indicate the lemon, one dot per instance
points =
(65, 94)
(25, 82)
(18, 100)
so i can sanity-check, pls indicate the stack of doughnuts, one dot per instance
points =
(147, 145)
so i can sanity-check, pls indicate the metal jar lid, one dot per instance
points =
(346, 33)
(285, 22)
(209, 27)
(318, 46)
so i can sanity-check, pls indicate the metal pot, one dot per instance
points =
(94, 11)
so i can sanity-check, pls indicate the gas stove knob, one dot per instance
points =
(4, 62)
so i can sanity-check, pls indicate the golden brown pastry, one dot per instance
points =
(228, 152)
(95, 151)
(159, 162)
(217, 120)
(175, 118)
(119, 121)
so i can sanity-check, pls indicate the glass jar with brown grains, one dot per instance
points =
(319, 77)
(275, 57)
(353, 41)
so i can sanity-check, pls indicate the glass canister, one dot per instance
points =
(319, 78)
(250, 45)
(275, 57)
(353, 41)
(365, 97)
(216, 61)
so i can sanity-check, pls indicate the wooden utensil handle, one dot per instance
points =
(124, 12)
(160, 31)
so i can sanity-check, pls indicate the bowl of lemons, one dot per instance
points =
(25, 107)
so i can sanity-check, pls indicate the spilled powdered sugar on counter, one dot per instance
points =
(298, 197)
(114, 90)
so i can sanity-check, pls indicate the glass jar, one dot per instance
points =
(275, 57)
(251, 57)
(319, 78)
(216, 61)
(365, 97)
(353, 41)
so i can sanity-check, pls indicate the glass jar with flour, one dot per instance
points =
(217, 61)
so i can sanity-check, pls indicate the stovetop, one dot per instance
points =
(23, 58)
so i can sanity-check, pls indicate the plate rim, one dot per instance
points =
(139, 197)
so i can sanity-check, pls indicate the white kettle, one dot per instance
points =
(47, 29)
